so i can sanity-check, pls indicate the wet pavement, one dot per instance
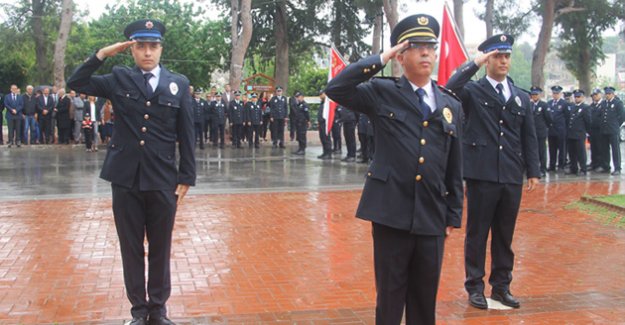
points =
(267, 237)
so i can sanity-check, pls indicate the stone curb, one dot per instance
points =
(609, 206)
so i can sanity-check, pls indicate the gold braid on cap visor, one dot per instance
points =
(414, 32)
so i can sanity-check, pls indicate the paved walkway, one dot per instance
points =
(295, 257)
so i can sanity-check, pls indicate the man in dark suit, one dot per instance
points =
(500, 145)
(279, 110)
(557, 108)
(324, 137)
(348, 120)
(611, 120)
(413, 191)
(578, 124)
(45, 106)
(14, 104)
(30, 112)
(301, 119)
(596, 153)
(235, 116)
(542, 120)
(153, 112)
(63, 121)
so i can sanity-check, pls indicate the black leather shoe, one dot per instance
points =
(137, 321)
(616, 173)
(506, 298)
(478, 300)
(161, 321)
(348, 159)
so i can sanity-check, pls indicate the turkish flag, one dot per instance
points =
(337, 64)
(453, 53)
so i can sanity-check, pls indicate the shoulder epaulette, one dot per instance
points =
(448, 92)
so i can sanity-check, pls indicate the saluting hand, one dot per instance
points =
(181, 191)
(481, 59)
(114, 49)
(393, 51)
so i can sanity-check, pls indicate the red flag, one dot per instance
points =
(337, 64)
(453, 53)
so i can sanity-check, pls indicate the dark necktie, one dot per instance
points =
(148, 87)
(425, 108)
(500, 92)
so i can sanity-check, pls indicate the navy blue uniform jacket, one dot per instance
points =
(415, 180)
(500, 138)
(146, 129)
(578, 122)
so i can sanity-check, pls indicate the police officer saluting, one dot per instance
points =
(301, 117)
(578, 124)
(153, 111)
(413, 191)
(542, 120)
(500, 145)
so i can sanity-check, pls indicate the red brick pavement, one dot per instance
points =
(296, 258)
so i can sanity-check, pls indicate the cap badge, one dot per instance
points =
(503, 38)
(173, 88)
(447, 114)
(149, 24)
(423, 20)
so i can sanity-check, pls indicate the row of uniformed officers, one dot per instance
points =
(564, 123)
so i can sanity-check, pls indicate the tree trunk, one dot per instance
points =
(542, 45)
(458, 7)
(41, 52)
(390, 9)
(377, 32)
(240, 40)
(282, 45)
(337, 26)
(488, 17)
(61, 43)
(585, 70)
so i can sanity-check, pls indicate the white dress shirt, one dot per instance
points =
(156, 76)
(506, 87)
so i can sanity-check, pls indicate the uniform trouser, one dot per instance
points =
(611, 141)
(139, 214)
(253, 134)
(371, 145)
(265, 126)
(301, 128)
(349, 131)
(64, 134)
(199, 134)
(278, 128)
(207, 130)
(364, 145)
(237, 129)
(490, 207)
(407, 273)
(46, 130)
(336, 136)
(557, 151)
(292, 128)
(15, 130)
(29, 125)
(246, 132)
(542, 153)
(326, 143)
(596, 156)
(577, 153)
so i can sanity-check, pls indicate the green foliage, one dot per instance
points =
(17, 59)
(310, 79)
(346, 30)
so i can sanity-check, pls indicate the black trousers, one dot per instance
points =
(326, 143)
(88, 133)
(301, 128)
(278, 128)
(208, 130)
(237, 131)
(292, 128)
(336, 136)
(265, 126)
(349, 131)
(1, 122)
(491, 207)
(199, 134)
(140, 214)
(253, 135)
(364, 145)
(46, 130)
(407, 273)
(557, 151)
(15, 130)
(596, 155)
(542, 153)
(577, 153)
(611, 141)
(64, 135)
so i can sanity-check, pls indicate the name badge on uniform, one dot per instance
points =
(447, 115)
(518, 100)
(540, 109)
(173, 88)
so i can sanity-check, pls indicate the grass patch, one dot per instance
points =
(601, 214)
(618, 200)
